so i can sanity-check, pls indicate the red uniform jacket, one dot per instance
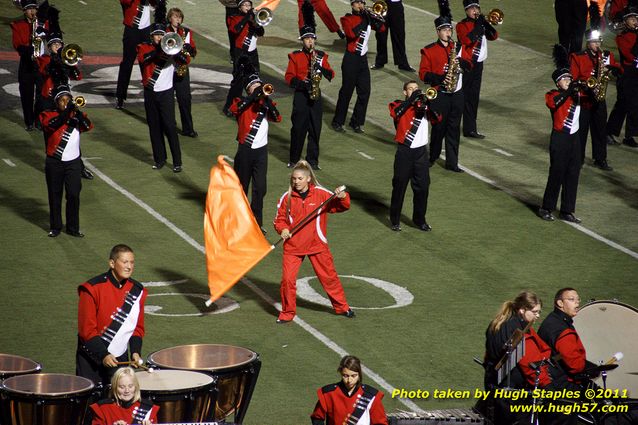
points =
(434, 62)
(558, 332)
(617, 6)
(153, 61)
(536, 350)
(133, 9)
(407, 120)
(244, 31)
(585, 64)
(250, 115)
(627, 42)
(106, 412)
(61, 75)
(60, 127)
(311, 238)
(100, 298)
(21, 36)
(335, 405)
(470, 36)
(298, 64)
(565, 110)
(355, 27)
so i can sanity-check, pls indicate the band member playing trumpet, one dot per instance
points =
(411, 161)
(442, 64)
(306, 68)
(159, 101)
(473, 32)
(181, 78)
(354, 67)
(251, 160)
(627, 43)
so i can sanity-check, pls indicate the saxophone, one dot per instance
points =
(314, 77)
(182, 69)
(453, 69)
(598, 85)
(36, 41)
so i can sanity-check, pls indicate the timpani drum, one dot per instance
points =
(183, 396)
(11, 365)
(607, 327)
(44, 399)
(234, 369)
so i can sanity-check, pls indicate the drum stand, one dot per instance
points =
(537, 370)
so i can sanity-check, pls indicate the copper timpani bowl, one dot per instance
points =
(11, 365)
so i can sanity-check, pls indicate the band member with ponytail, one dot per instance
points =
(411, 163)
(349, 400)
(306, 68)
(110, 319)
(251, 160)
(300, 203)
(564, 145)
(125, 405)
(627, 43)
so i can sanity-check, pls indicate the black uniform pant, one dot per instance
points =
(410, 165)
(160, 116)
(571, 16)
(593, 120)
(306, 120)
(618, 112)
(564, 170)
(239, 79)
(450, 107)
(630, 93)
(251, 166)
(89, 368)
(130, 39)
(30, 87)
(64, 176)
(355, 74)
(182, 86)
(471, 94)
(395, 23)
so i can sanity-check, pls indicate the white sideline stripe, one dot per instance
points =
(192, 3)
(8, 162)
(307, 327)
(86, 158)
(365, 155)
(83, 2)
(229, 159)
(470, 172)
(502, 152)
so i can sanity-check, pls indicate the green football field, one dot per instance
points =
(423, 300)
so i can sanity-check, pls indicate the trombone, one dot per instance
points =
(263, 16)
(72, 54)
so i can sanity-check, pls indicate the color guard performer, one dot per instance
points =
(306, 68)
(110, 319)
(627, 43)
(354, 67)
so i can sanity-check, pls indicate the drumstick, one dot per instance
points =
(139, 363)
(615, 358)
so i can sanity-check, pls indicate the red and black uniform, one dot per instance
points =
(336, 407)
(593, 114)
(324, 13)
(182, 85)
(564, 149)
(395, 23)
(54, 73)
(448, 104)
(474, 34)
(110, 321)
(63, 164)
(159, 101)
(306, 113)
(251, 160)
(571, 16)
(137, 22)
(106, 412)
(627, 43)
(355, 71)
(411, 161)
(310, 240)
(615, 9)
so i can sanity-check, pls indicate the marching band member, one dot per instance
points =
(137, 21)
(125, 405)
(564, 144)
(627, 43)
(354, 67)
(571, 16)
(473, 32)
(324, 13)
(181, 78)
(349, 401)
(303, 66)
(251, 160)
(395, 23)
(159, 101)
(110, 319)
(28, 36)
(63, 165)
(411, 161)
(593, 62)
(441, 64)
(302, 198)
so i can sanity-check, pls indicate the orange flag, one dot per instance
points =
(234, 242)
(270, 4)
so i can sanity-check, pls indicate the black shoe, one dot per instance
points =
(338, 127)
(191, 133)
(349, 314)
(356, 128)
(53, 233)
(177, 169)
(569, 217)
(602, 164)
(158, 165)
(119, 103)
(474, 135)
(456, 169)
(545, 214)
(375, 66)
(315, 167)
(227, 113)
(629, 141)
(395, 228)
(29, 128)
(341, 34)
(281, 321)
(86, 174)
(77, 234)
(611, 140)
(407, 68)
(425, 227)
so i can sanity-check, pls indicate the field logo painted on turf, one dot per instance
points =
(222, 305)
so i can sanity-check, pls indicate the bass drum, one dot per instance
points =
(608, 327)
(235, 370)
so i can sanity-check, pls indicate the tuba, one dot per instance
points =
(495, 16)
(72, 54)
(263, 16)
(314, 77)
(172, 43)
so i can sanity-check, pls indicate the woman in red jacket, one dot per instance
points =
(302, 198)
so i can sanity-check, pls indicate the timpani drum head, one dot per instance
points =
(170, 381)
(203, 357)
(47, 385)
(11, 365)
(608, 327)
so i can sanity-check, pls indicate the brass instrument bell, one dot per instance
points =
(72, 54)
(172, 43)
(263, 16)
(79, 101)
(495, 16)
(267, 89)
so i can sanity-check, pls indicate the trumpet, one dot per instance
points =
(495, 16)
(72, 54)
(172, 43)
(378, 11)
(263, 16)
(79, 101)
(267, 89)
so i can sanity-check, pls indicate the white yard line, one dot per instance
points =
(82, 2)
(365, 155)
(502, 152)
(8, 162)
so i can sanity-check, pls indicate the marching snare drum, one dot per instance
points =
(235, 370)
(44, 399)
(607, 327)
(183, 396)
(11, 365)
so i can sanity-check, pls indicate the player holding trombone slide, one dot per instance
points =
(302, 223)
